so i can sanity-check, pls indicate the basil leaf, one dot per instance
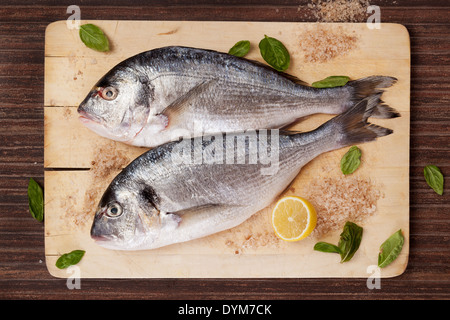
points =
(331, 82)
(390, 249)
(274, 53)
(326, 247)
(93, 37)
(350, 240)
(240, 49)
(434, 178)
(69, 259)
(35, 200)
(351, 160)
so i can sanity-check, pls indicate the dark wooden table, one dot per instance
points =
(23, 273)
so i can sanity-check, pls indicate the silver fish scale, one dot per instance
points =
(176, 193)
(187, 185)
(241, 90)
(165, 91)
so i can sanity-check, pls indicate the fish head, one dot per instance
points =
(118, 106)
(123, 220)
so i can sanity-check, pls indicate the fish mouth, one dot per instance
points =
(100, 238)
(106, 242)
(86, 117)
(98, 235)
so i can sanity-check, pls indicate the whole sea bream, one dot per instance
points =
(159, 95)
(195, 187)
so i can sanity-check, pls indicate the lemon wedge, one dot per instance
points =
(293, 218)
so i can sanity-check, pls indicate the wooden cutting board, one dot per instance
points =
(79, 164)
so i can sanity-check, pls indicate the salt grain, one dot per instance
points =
(341, 199)
(253, 241)
(339, 10)
(108, 160)
(323, 44)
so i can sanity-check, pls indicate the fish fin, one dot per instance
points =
(169, 221)
(383, 111)
(283, 74)
(203, 208)
(351, 127)
(288, 132)
(202, 212)
(373, 85)
(177, 107)
(294, 79)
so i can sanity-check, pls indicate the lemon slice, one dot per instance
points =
(293, 218)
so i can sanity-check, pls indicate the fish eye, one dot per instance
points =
(114, 210)
(109, 93)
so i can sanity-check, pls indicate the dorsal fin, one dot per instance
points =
(283, 74)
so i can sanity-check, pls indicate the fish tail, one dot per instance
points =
(351, 127)
(372, 87)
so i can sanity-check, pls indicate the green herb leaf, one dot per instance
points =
(331, 82)
(35, 200)
(390, 249)
(434, 178)
(94, 38)
(69, 259)
(351, 160)
(326, 247)
(274, 53)
(350, 240)
(240, 49)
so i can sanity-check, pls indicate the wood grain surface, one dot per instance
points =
(236, 252)
(23, 274)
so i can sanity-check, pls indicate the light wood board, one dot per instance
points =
(249, 250)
